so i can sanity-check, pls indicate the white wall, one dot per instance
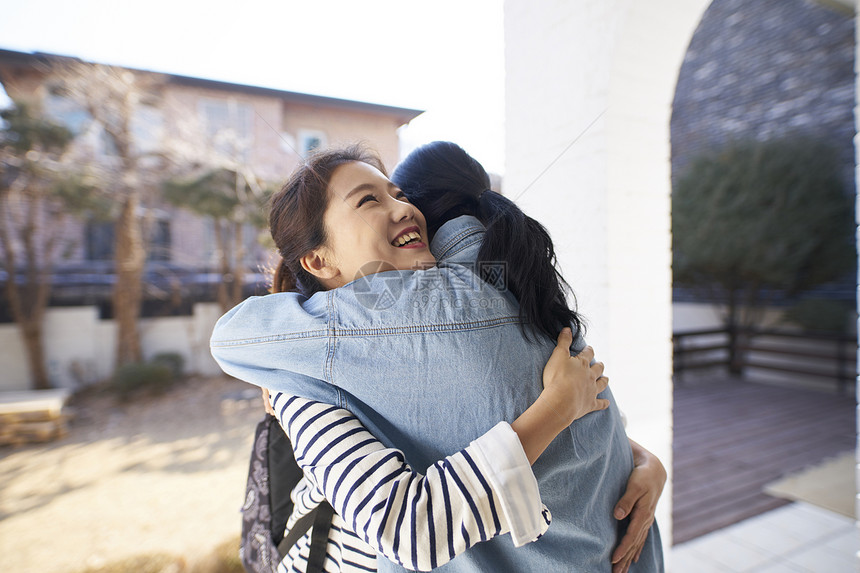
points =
(15, 372)
(80, 348)
(688, 316)
(606, 196)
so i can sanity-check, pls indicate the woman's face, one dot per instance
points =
(370, 226)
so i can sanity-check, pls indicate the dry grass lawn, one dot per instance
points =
(159, 479)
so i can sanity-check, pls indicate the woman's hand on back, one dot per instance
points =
(572, 383)
(570, 388)
(639, 502)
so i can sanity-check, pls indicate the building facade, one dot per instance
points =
(262, 131)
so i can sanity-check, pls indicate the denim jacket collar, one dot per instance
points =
(453, 240)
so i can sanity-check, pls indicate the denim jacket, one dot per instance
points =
(430, 360)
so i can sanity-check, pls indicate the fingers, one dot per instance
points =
(624, 505)
(621, 567)
(631, 546)
(596, 367)
(623, 548)
(601, 404)
(602, 383)
(624, 554)
(628, 551)
(565, 338)
(637, 530)
(628, 545)
(587, 354)
(266, 404)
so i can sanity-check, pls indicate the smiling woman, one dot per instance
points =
(326, 236)
(374, 223)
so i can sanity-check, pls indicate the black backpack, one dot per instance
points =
(272, 475)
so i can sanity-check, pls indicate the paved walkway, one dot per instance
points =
(797, 538)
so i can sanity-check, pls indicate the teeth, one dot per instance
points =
(405, 238)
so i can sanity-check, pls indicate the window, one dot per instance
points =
(99, 241)
(159, 241)
(147, 127)
(101, 236)
(147, 124)
(66, 111)
(228, 124)
(309, 140)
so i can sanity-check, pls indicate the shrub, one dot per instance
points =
(172, 360)
(821, 315)
(759, 218)
(130, 378)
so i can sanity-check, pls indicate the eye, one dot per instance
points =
(401, 196)
(365, 199)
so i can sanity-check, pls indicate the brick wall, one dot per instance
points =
(761, 68)
(857, 211)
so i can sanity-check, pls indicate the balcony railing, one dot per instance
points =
(815, 355)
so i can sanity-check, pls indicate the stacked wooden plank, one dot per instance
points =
(33, 416)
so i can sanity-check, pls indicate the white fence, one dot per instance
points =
(80, 348)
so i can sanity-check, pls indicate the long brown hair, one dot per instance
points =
(297, 210)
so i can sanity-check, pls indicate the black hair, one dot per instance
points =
(444, 182)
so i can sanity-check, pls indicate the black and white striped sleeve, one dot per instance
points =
(418, 521)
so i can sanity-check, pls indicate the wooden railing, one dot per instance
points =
(811, 354)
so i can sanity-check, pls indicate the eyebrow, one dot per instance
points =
(366, 187)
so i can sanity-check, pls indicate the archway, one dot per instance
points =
(780, 72)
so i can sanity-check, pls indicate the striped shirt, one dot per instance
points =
(384, 507)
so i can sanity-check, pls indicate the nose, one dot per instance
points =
(401, 210)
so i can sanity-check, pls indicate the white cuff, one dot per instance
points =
(502, 460)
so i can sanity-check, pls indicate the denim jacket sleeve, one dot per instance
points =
(282, 341)
(276, 341)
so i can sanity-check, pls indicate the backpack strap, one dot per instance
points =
(319, 538)
(298, 531)
(284, 474)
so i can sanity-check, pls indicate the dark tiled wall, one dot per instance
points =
(761, 68)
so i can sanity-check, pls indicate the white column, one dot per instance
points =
(604, 191)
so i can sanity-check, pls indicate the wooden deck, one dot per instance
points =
(732, 437)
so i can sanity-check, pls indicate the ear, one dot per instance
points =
(319, 263)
